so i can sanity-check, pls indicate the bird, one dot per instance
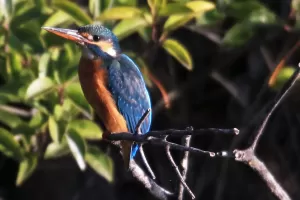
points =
(111, 82)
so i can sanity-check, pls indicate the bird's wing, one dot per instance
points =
(128, 89)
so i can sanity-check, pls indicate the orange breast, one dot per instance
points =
(93, 81)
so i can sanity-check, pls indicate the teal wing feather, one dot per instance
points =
(128, 89)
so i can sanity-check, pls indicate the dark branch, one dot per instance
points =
(248, 156)
(146, 162)
(149, 183)
(184, 165)
(178, 172)
(285, 90)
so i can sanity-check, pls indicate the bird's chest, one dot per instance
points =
(93, 80)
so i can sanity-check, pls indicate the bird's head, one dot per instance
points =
(97, 41)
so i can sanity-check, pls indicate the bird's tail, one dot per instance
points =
(126, 151)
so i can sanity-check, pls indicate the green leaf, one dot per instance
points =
(26, 168)
(174, 8)
(179, 52)
(74, 92)
(9, 146)
(283, 76)
(100, 162)
(55, 150)
(124, 12)
(6, 7)
(78, 147)
(156, 5)
(54, 130)
(95, 7)
(238, 35)
(74, 11)
(200, 6)
(8, 118)
(128, 26)
(14, 62)
(86, 128)
(39, 87)
(56, 19)
(177, 20)
(43, 64)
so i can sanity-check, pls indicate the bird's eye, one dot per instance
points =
(96, 38)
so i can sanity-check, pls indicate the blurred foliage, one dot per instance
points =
(40, 96)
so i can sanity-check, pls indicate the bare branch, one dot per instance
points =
(178, 172)
(249, 158)
(184, 164)
(149, 184)
(146, 162)
(285, 90)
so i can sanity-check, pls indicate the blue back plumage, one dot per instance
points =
(130, 94)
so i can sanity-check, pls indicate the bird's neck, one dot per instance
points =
(105, 58)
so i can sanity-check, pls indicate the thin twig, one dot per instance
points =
(146, 162)
(184, 165)
(177, 171)
(149, 183)
(285, 90)
(140, 122)
(248, 156)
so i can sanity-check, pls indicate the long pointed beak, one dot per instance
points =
(68, 34)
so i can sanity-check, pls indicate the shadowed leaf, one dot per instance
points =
(9, 119)
(179, 52)
(9, 146)
(100, 162)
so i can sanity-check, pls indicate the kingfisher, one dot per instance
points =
(111, 82)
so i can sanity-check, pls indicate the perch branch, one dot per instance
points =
(248, 156)
(177, 171)
(184, 165)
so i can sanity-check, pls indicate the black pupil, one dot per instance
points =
(96, 38)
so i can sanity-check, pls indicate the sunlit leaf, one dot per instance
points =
(176, 21)
(156, 5)
(6, 7)
(174, 8)
(78, 147)
(100, 162)
(179, 52)
(14, 62)
(54, 130)
(200, 6)
(238, 35)
(124, 12)
(283, 76)
(128, 26)
(95, 7)
(9, 146)
(26, 168)
(74, 11)
(56, 19)
(86, 128)
(56, 150)
(39, 87)
(43, 64)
